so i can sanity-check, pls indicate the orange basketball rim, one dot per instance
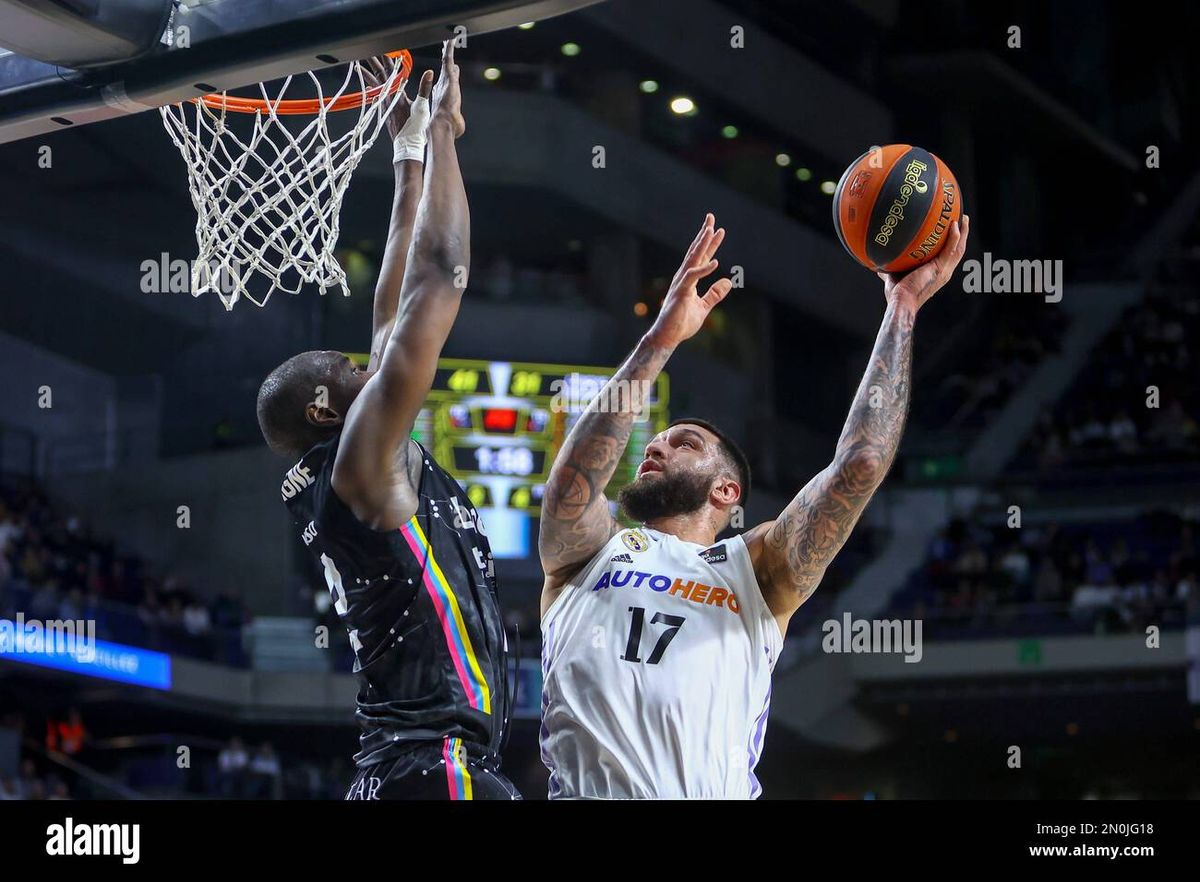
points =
(299, 106)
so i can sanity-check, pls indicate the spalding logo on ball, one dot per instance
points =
(894, 207)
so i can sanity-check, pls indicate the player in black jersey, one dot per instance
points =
(402, 548)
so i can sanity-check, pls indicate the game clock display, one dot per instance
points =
(496, 426)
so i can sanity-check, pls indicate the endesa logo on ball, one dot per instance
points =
(895, 215)
(696, 592)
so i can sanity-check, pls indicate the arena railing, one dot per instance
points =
(86, 780)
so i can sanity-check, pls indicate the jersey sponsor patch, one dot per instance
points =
(716, 554)
(635, 540)
(621, 558)
(696, 592)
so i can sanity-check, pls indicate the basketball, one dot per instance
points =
(894, 206)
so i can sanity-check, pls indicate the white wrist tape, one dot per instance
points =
(410, 142)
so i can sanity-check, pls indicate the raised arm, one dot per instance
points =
(407, 126)
(792, 552)
(575, 520)
(371, 473)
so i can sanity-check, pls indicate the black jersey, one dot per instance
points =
(421, 609)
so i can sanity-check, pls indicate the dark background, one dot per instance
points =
(1017, 401)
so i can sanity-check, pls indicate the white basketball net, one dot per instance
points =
(269, 204)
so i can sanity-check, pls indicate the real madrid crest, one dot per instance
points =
(635, 540)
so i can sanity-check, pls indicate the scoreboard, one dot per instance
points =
(496, 426)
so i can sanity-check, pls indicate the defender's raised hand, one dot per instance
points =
(376, 72)
(918, 285)
(447, 97)
(684, 311)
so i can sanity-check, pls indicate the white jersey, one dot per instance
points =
(657, 661)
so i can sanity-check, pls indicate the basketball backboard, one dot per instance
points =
(207, 45)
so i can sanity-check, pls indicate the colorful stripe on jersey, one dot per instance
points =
(458, 641)
(458, 776)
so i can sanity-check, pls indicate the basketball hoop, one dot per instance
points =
(267, 200)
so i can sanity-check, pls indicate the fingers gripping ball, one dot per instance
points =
(894, 207)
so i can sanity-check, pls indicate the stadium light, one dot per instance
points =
(683, 106)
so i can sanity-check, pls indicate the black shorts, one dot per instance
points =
(432, 771)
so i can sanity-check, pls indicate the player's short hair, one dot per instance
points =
(735, 459)
(282, 400)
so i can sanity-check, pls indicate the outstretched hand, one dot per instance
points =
(919, 284)
(684, 310)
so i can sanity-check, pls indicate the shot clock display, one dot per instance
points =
(497, 425)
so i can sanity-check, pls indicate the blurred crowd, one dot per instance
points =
(36, 778)
(53, 566)
(259, 773)
(29, 784)
(245, 775)
(229, 771)
(1103, 577)
(1136, 399)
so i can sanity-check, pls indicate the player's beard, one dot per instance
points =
(665, 496)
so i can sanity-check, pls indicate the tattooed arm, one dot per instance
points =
(792, 552)
(575, 520)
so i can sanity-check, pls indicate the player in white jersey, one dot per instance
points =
(658, 642)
